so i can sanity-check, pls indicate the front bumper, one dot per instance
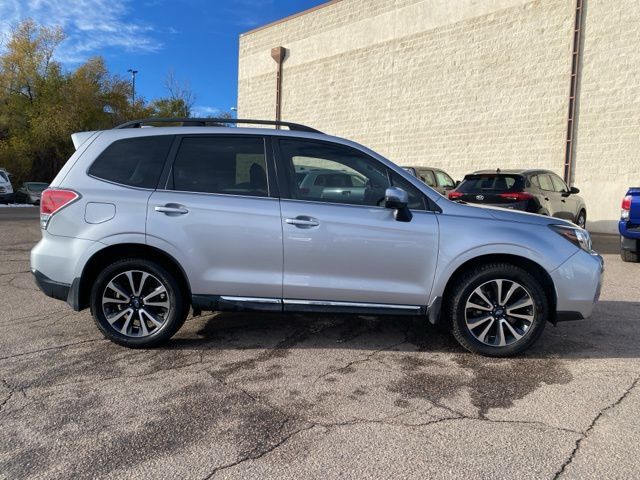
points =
(578, 283)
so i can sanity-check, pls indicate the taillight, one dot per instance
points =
(52, 200)
(455, 195)
(626, 207)
(516, 196)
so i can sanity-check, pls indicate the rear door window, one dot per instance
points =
(136, 162)
(427, 177)
(225, 165)
(545, 183)
(491, 183)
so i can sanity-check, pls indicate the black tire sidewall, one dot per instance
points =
(177, 313)
(582, 213)
(476, 277)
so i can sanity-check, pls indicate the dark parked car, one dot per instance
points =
(629, 226)
(30, 192)
(535, 191)
(437, 179)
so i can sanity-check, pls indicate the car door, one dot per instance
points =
(349, 250)
(550, 200)
(567, 203)
(218, 215)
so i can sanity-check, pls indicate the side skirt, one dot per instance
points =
(224, 303)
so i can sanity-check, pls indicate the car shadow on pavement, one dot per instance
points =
(611, 332)
(606, 244)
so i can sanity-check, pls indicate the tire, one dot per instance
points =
(581, 219)
(513, 320)
(629, 256)
(136, 303)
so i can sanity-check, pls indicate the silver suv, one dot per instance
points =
(143, 224)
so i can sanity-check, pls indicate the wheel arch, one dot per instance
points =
(107, 255)
(527, 264)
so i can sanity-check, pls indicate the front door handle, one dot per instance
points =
(302, 221)
(171, 209)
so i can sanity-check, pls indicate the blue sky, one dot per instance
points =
(197, 39)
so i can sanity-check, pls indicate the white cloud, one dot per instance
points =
(204, 111)
(90, 25)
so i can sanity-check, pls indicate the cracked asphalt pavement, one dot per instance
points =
(322, 396)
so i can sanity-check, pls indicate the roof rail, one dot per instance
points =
(216, 122)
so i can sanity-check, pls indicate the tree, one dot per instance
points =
(41, 105)
(180, 101)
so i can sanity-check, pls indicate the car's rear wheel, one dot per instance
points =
(581, 219)
(137, 303)
(497, 310)
(629, 256)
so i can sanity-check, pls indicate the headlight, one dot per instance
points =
(576, 235)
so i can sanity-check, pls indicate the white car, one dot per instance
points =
(6, 190)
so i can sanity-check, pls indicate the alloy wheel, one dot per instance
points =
(136, 303)
(499, 312)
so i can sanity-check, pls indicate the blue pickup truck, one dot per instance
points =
(630, 226)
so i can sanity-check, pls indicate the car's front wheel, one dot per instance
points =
(137, 303)
(497, 309)
(581, 219)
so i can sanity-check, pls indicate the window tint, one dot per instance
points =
(427, 177)
(230, 165)
(558, 184)
(444, 180)
(491, 182)
(136, 162)
(545, 183)
(334, 173)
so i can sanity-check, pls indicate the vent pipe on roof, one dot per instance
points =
(278, 54)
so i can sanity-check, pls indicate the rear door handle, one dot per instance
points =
(171, 209)
(302, 221)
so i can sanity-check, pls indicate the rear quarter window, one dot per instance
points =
(136, 162)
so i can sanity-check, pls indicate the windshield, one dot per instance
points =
(37, 187)
(491, 182)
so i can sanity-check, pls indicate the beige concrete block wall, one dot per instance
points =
(461, 85)
(608, 129)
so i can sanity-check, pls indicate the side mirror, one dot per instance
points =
(574, 190)
(397, 199)
(457, 183)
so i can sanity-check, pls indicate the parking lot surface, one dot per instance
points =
(274, 396)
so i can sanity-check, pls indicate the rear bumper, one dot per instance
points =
(7, 197)
(50, 288)
(628, 230)
(578, 282)
(57, 290)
